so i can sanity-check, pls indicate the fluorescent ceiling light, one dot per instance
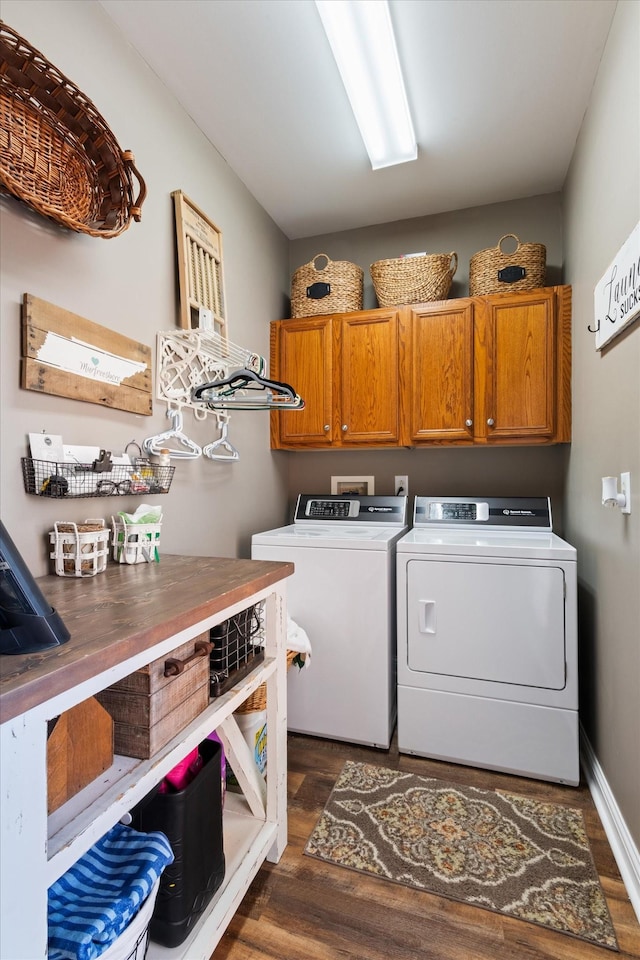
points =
(361, 38)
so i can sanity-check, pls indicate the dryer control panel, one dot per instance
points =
(501, 512)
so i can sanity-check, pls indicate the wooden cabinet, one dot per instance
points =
(302, 355)
(488, 370)
(437, 373)
(482, 370)
(345, 367)
(168, 603)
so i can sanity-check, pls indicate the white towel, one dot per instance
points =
(298, 640)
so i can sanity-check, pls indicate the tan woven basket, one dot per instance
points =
(413, 279)
(492, 271)
(258, 699)
(335, 287)
(57, 153)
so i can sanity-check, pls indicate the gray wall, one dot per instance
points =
(517, 471)
(602, 206)
(129, 284)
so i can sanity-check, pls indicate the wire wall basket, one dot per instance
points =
(238, 647)
(45, 478)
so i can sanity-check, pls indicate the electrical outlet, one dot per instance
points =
(401, 486)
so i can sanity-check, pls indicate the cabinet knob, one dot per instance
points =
(326, 427)
(344, 428)
(490, 422)
(468, 423)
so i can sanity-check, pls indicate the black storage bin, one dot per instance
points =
(192, 820)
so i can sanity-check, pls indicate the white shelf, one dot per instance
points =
(37, 849)
(88, 815)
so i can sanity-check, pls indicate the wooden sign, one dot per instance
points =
(199, 268)
(67, 356)
(617, 295)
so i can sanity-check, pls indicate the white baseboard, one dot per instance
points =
(620, 840)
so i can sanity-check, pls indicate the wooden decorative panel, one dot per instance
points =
(67, 356)
(199, 267)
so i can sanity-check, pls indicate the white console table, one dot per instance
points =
(120, 620)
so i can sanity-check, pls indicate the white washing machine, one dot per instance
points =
(487, 637)
(342, 593)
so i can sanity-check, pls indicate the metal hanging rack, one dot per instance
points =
(207, 372)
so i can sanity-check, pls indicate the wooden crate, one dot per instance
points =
(149, 708)
(79, 749)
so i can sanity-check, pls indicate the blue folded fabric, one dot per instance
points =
(92, 903)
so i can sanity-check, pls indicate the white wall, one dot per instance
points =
(602, 205)
(129, 284)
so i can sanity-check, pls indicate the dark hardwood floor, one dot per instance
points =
(303, 909)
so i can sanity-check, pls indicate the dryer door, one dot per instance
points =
(485, 620)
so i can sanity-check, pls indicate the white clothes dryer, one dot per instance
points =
(487, 637)
(342, 593)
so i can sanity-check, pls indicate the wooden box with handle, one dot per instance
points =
(152, 705)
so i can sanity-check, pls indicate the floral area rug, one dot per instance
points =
(521, 857)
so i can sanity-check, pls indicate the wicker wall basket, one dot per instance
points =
(492, 271)
(333, 287)
(57, 153)
(413, 279)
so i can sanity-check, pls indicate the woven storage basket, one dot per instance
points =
(57, 153)
(492, 271)
(334, 288)
(258, 699)
(413, 279)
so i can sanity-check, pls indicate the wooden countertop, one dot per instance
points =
(124, 611)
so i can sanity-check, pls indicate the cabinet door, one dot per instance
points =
(437, 373)
(302, 356)
(515, 367)
(368, 351)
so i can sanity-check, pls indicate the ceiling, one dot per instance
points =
(497, 91)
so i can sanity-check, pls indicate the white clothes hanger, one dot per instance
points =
(188, 450)
(214, 450)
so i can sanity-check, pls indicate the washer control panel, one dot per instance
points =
(332, 509)
(351, 508)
